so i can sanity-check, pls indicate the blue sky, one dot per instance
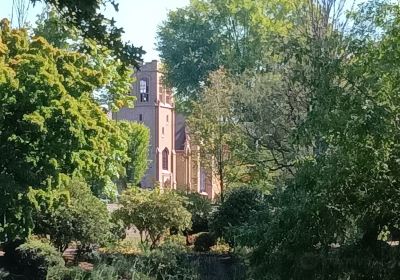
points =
(139, 18)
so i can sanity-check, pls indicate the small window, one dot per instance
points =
(165, 155)
(167, 118)
(162, 130)
(140, 117)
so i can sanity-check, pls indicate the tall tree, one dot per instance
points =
(343, 199)
(50, 124)
(214, 33)
(137, 137)
(114, 94)
(213, 128)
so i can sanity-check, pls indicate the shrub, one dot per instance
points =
(153, 213)
(79, 217)
(117, 229)
(239, 206)
(200, 209)
(66, 273)
(176, 239)
(123, 247)
(203, 242)
(221, 247)
(35, 257)
(169, 261)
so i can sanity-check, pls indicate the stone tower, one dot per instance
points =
(155, 108)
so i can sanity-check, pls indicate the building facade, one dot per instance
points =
(173, 162)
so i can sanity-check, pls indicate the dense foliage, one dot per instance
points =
(235, 211)
(213, 129)
(78, 216)
(323, 113)
(285, 95)
(200, 208)
(114, 94)
(35, 257)
(51, 125)
(213, 33)
(221, 123)
(204, 241)
(153, 213)
(137, 137)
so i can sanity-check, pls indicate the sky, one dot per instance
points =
(139, 19)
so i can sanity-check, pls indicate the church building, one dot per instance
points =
(174, 163)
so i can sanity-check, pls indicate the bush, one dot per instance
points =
(169, 261)
(221, 247)
(117, 229)
(79, 216)
(239, 206)
(123, 247)
(153, 213)
(203, 242)
(66, 273)
(200, 209)
(36, 256)
(176, 239)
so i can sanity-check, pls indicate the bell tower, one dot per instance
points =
(154, 107)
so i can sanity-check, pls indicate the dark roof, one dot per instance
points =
(180, 132)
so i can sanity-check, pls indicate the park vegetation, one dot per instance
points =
(308, 111)
(295, 106)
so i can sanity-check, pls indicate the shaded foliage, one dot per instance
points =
(35, 257)
(235, 211)
(76, 216)
(200, 208)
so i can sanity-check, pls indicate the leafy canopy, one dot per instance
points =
(209, 34)
(114, 94)
(85, 16)
(50, 124)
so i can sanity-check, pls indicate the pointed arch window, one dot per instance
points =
(165, 154)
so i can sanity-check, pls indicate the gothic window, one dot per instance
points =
(165, 155)
(144, 89)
